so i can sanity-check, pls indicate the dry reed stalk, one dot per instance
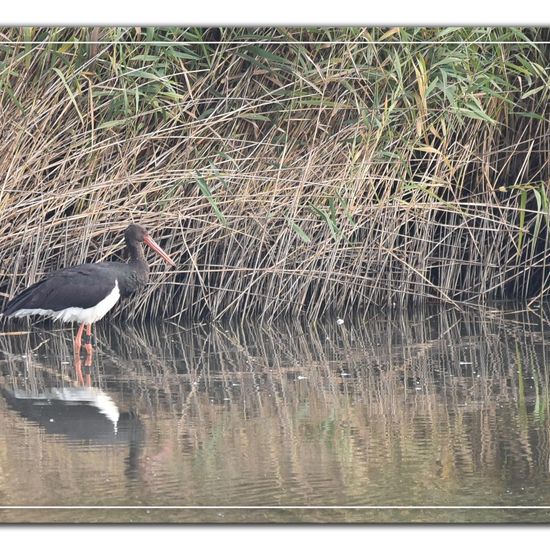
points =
(286, 179)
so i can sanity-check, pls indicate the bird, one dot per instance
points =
(86, 293)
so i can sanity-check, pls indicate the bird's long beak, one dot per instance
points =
(152, 244)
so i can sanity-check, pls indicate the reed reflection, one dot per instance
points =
(437, 407)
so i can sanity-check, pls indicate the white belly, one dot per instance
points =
(81, 315)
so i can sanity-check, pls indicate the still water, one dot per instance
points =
(437, 416)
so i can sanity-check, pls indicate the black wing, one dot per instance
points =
(81, 286)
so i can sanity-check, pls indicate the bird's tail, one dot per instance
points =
(21, 301)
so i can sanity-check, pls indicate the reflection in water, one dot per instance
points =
(437, 408)
(86, 414)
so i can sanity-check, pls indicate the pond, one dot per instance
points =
(433, 416)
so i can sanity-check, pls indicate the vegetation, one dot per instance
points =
(288, 171)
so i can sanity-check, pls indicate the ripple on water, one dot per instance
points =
(439, 413)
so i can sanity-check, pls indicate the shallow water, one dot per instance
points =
(439, 416)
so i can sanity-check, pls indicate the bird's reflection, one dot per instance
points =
(82, 413)
(67, 403)
(84, 378)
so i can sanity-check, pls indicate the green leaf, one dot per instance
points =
(473, 111)
(203, 186)
(70, 92)
(254, 116)
(522, 205)
(267, 55)
(144, 57)
(112, 123)
(299, 231)
(533, 91)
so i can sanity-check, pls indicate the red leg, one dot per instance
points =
(83, 379)
(78, 340)
(88, 365)
(88, 344)
(78, 369)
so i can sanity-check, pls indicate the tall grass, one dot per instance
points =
(288, 171)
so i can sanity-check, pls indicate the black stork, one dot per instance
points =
(85, 293)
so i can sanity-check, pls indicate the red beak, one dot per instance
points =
(152, 244)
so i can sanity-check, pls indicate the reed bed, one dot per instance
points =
(288, 171)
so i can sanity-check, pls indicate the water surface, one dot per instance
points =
(379, 419)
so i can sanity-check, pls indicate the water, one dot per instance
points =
(437, 416)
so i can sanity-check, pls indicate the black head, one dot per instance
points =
(135, 233)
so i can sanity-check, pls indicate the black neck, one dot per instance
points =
(135, 252)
